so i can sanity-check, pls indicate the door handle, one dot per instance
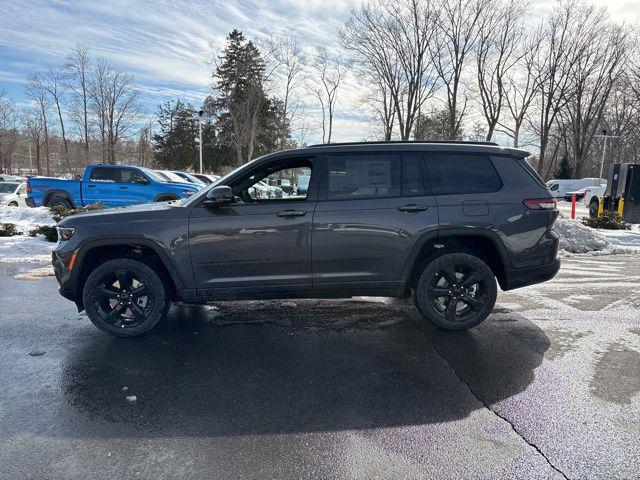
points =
(91, 186)
(413, 208)
(122, 188)
(291, 213)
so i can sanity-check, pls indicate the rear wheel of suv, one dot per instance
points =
(456, 291)
(125, 297)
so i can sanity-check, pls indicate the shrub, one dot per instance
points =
(8, 230)
(608, 221)
(59, 212)
(50, 233)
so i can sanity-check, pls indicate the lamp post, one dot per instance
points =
(200, 118)
(604, 148)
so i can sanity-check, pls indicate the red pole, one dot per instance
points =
(573, 206)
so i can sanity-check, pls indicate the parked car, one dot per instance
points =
(11, 178)
(111, 185)
(206, 178)
(13, 194)
(560, 188)
(190, 178)
(442, 222)
(168, 176)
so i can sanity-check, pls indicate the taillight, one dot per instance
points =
(540, 204)
(28, 188)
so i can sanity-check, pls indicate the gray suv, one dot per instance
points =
(442, 222)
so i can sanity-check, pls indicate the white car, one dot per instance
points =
(13, 194)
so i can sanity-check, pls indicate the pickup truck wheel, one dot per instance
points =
(60, 201)
(125, 297)
(456, 291)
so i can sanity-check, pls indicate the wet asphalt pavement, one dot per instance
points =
(547, 387)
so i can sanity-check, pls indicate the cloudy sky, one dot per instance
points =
(169, 45)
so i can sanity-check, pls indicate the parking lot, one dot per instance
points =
(547, 387)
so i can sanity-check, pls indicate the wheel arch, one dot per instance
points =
(57, 193)
(166, 196)
(482, 243)
(95, 252)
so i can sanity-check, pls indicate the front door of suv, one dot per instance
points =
(372, 209)
(262, 241)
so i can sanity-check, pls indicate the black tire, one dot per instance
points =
(461, 278)
(130, 311)
(593, 208)
(60, 201)
(13, 204)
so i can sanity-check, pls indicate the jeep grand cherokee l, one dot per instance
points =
(442, 222)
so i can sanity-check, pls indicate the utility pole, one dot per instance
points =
(604, 148)
(200, 118)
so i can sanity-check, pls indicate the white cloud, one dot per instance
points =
(170, 45)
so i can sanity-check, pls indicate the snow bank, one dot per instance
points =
(23, 248)
(578, 238)
(25, 218)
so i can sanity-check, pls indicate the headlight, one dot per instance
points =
(188, 193)
(65, 233)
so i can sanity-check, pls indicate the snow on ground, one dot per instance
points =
(578, 238)
(25, 218)
(23, 248)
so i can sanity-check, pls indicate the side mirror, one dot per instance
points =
(219, 196)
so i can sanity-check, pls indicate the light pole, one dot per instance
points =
(200, 118)
(604, 148)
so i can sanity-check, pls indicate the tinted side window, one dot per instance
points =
(104, 174)
(412, 177)
(454, 173)
(368, 175)
(129, 175)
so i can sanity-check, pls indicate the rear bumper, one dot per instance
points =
(521, 277)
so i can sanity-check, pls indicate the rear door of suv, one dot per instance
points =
(372, 208)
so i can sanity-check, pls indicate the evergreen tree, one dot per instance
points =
(175, 145)
(241, 99)
(434, 126)
(564, 169)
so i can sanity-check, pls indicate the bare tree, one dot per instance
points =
(459, 25)
(521, 87)
(284, 55)
(8, 131)
(36, 91)
(498, 52)
(33, 128)
(392, 42)
(602, 51)
(330, 72)
(114, 103)
(552, 68)
(78, 79)
(53, 82)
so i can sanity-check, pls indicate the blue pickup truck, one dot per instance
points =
(111, 185)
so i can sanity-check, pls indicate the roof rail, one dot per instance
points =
(454, 142)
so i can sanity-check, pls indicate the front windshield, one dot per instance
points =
(173, 177)
(155, 176)
(8, 187)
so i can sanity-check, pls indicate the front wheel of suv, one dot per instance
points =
(456, 291)
(125, 297)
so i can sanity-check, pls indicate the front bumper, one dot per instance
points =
(61, 261)
(521, 277)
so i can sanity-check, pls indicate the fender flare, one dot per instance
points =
(443, 233)
(113, 241)
(57, 192)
